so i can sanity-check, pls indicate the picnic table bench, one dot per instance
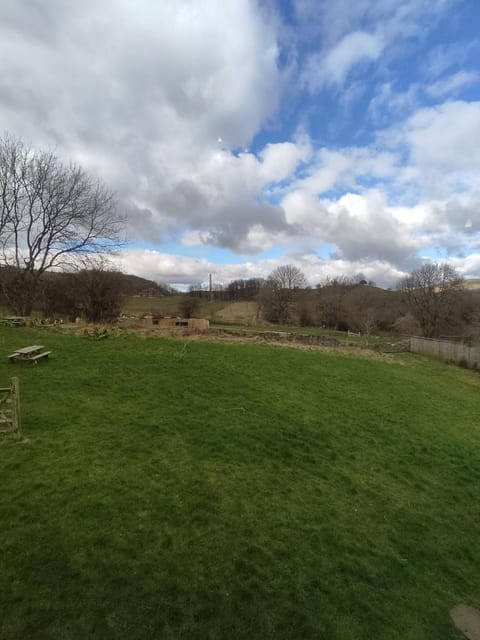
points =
(14, 321)
(33, 353)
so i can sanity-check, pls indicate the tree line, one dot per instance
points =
(92, 290)
(238, 290)
(432, 300)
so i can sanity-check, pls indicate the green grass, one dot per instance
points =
(315, 331)
(212, 491)
(382, 339)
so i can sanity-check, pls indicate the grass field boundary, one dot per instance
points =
(457, 352)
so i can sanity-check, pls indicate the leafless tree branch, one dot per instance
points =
(48, 211)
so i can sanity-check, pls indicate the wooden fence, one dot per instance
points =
(452, 351)
(10, 423)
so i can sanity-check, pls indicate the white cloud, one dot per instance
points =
(445, 57)
(346, 168)
(352, 49)
(360, 226)
(387, 102)
(142, 99)
(441, 144)
(163, 267)
(346, 33)
(162, 101)
(331, 21)
(325, 171)
(334, 67)
(452, 84)
(280, 160)
(452, 224)
(437, 157)
(183, 271)
(223, 189)
(468, 266)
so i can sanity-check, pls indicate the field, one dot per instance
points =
(138, 305)
(168, 306)
(243, 312)
(169, 489)
(472, 283)
(242, 317)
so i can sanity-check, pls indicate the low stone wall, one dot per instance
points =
(199, 324)
(278, 336)
(452, 351)
(283, 336)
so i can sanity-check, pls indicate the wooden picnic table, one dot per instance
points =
(33, 353)
(14, 321)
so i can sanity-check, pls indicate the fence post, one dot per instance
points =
(10, 421)
(17, 421)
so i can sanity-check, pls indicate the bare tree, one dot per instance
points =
(99, 288)
(432, 293)
(288, 276)
(48, 211)
(244, 289)
(331, 302)
(60, 296)
(189, 305)
(279, 292)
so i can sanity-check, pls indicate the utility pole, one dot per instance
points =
(211, 290)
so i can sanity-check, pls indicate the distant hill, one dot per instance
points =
(134, 285)
(472, 283)
(130, 285)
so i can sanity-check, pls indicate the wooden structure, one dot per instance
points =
(198, 324)
(10, 423)
(33, 354)
(462, 354)
(14, 321)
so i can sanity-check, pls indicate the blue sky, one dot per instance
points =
(342, 137)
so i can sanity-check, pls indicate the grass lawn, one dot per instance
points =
(226, 491)
(381, 339)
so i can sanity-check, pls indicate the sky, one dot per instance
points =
(238, 135)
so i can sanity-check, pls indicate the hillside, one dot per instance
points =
(238, 312)
(218, 310)
(472, 283)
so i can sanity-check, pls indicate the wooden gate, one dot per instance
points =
(10, 425)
